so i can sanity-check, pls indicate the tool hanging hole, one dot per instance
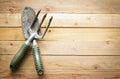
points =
(40, 72)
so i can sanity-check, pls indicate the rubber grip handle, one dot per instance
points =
(18, 57)
(37, 60)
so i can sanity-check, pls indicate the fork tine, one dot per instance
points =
(50, 20)
(43, 18)
(35, 19)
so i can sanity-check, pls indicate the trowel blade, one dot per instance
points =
(27, 18)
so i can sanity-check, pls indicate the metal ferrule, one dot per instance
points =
(30, 39)
(35, 42)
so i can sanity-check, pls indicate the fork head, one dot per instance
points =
(37, 29)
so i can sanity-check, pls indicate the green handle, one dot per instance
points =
(18, 57)
(37, 60)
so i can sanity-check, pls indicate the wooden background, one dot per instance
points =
(83, 41)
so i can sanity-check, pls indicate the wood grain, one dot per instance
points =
(30, 74)
(67, 48)
(66, 20)
(66, 34)
(62, 6)
(77, 63)
(96, 67)
(83, 41)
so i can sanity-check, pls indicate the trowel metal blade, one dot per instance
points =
(27, 18)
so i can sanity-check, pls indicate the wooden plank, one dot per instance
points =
(66, 34)
(67, 20)
(101, 67)
(67, 47)
(31, 74)
(71, 6)
(77, 63)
